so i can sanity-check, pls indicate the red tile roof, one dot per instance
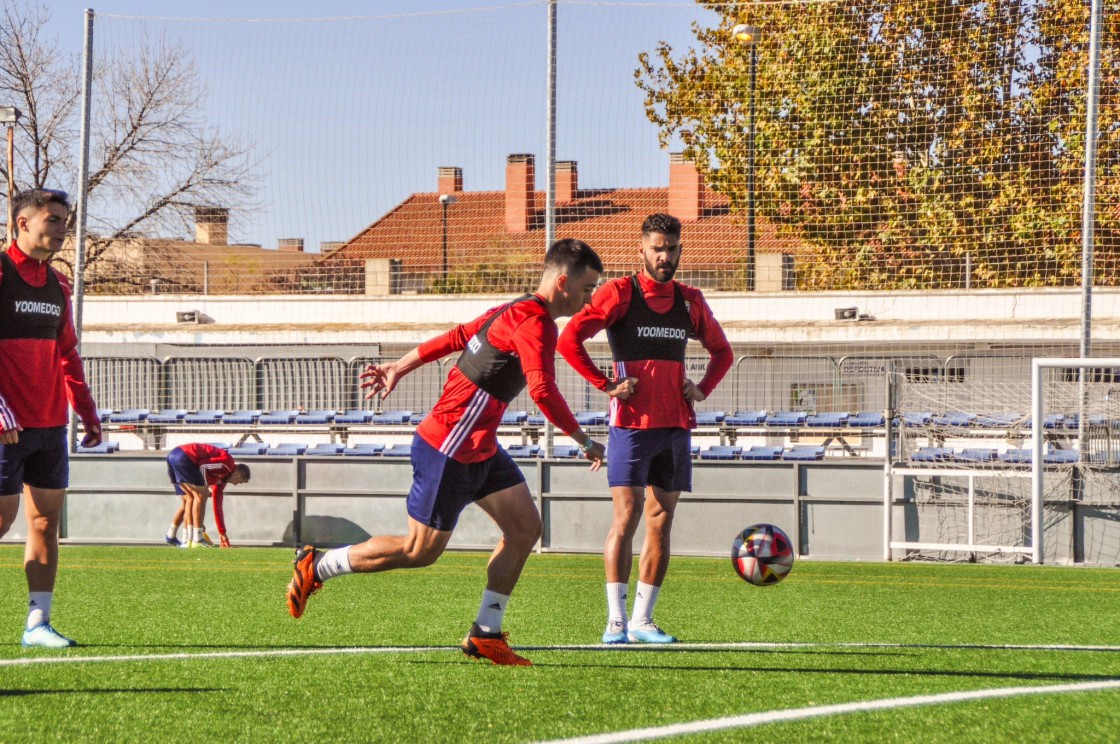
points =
(608, 219)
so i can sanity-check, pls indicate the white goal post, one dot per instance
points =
(961, 446)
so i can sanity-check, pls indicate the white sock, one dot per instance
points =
(196, 534)
(645, 597)
(333, 563)
(616, 601)
(39, 608)
(172, 532)
(491, 611)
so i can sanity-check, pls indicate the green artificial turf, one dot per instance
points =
(375, 657)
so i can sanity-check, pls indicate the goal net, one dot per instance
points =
(973, 476)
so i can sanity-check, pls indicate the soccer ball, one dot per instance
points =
(762, 554)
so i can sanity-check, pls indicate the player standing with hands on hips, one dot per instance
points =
(456, 458)
(40, 371)
(649, 318)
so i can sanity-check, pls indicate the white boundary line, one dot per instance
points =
(622, 647)
(799, 714)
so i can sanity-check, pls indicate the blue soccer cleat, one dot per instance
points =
(44, 636)
(649, 633)
(172, 541)
(615, 632)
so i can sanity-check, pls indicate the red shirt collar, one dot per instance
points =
(31, 269)
(652, 288)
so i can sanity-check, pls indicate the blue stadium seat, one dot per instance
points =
(745, 418)
(278, 417)
(249, 448)
(207, 416)
(168, 416)
(364, 450)
(804, 452)
(787, 418)
(1017, 456)
(220, 445)
(354, 416)
(242, 418)
(998, 420)
(932, 454)
(760, 452)
(103, 414)
(416, 417)
(524, 450)
(721, 452)
(976, 455)
(105, 448)
(954, 419)
(397, 450)
(287, 450)
(566, 451)
(695, 450)
(917, 418)
(390, 417)
(316, 417)
(831, 420)
(1060, 457)
(866, 420)
(535, 419)
(513, 418)
(1054, 421)
(130, 416)
(710, 418)
(329, 448)
(591, 418)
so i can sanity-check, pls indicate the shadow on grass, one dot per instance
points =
(114, 690)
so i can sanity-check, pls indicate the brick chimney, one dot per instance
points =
(450, 180)
(211, 225)
(566, 181)
(686, 189)
(520, 195)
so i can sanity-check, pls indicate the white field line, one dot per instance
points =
(799, 714)
(622, 647)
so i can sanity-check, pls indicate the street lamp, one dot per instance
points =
(10, 115)
(445, 200)
(751, 35)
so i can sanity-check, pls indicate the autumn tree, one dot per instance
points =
(911, 143)
(152, 157)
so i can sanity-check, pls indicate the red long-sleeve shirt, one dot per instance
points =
(216, 466)
(463, 424)
(658, 401)
(38, 377)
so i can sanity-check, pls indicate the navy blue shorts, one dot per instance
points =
(181, 469)
(40, 459)
(650, 457)
(442, 487)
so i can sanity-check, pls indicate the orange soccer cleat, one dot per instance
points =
(492, 646)
(303, 583)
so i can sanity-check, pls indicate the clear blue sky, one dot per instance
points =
(349, 131)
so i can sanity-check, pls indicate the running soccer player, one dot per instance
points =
(40, 371)
(649, 318)
(456, 458)
(195, 469)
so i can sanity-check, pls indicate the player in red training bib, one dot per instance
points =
(194, 470)
(40, 372)
(649, 319)
(456, 458)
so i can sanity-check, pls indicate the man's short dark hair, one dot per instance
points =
(572, 256)
(38, 198)
(243, 469)
(666, 224)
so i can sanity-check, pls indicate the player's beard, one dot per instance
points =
(661, 273)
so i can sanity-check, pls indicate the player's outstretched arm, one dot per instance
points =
(382, 378)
